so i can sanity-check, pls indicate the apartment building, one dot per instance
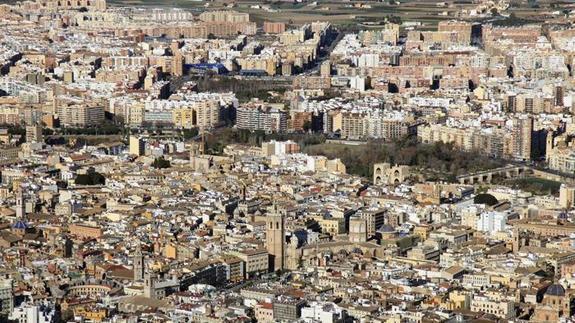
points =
(562, 159)
(356, 125)
(288, 310)
(80, 115)
(224, 16)
(352, 125)
(203, 114)
(258, 116)
(501, 309)
(389, 34)
(312, 82)
(522, 133)
(54, 5)
(274, 27)
(514, 142)
(518, 34)
(374, 219)
(266, 63)
(9, 115)
(463, 29)
(120, 61)
(256, 261)
(137, 146)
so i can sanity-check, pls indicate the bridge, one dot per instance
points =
(509, 171)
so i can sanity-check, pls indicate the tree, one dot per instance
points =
(160, 163)
(439, 160)
(306, 125)
(62, 184)
(47, 131)
(394, 19)
(190, 133)
(485, 198)
(90, 178)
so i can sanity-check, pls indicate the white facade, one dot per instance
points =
(43, 313)
(321, 312)
(492, 222)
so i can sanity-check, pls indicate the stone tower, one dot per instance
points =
(149, 284)
(520, 239)
(275, 239)
(20, 205)
(138, 264)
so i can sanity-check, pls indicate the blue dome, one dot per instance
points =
(21, 225)
(555, 290)
(386, 229)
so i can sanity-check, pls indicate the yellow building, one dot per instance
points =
(170, 251)
(199, 114)
(91, 313)
(459, 300)
(137, 146)
(179, 251)
(269, 64)
(322, 164)
(352, 125)
(256, 260)
(500, 308)
(292, 37)
(422, 231)
(332, 226)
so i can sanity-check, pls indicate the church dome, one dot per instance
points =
(555, 290)
(386, 229)
(20, 225)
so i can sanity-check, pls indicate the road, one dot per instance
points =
(325, 56)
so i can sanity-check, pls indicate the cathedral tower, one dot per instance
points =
(275, 239)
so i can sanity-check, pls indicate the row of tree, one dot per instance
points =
(438, 161)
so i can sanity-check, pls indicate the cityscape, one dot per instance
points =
(329, 161)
